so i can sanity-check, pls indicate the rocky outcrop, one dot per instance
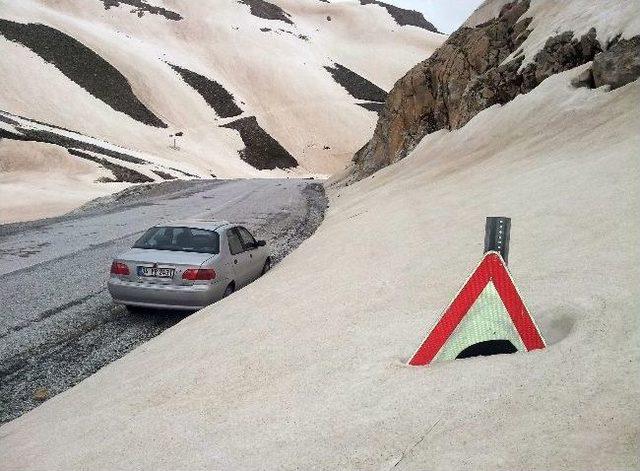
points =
(140, 8)
(618, 65)
(216, 96)
(428, 97)
(81, 65)
(403, 16)
(468, 74)
(267, 10)
(502, 84)
(261, 150)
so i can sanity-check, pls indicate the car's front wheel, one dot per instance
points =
(266, 267)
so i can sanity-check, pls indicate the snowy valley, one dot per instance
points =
(252, 91)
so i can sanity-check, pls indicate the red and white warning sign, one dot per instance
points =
(486, 317)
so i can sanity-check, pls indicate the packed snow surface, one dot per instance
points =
(306, 368)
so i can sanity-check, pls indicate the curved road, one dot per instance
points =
(58, 324)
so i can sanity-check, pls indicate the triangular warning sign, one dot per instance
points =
(486, 316)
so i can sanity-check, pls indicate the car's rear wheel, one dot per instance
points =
(229, 290)
(267, 266)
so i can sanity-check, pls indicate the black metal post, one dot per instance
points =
(496, 236)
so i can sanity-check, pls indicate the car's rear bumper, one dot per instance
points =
(164, 296)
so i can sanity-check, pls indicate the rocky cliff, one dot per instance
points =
(481, 66)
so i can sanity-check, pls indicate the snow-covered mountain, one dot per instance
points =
(251, 88)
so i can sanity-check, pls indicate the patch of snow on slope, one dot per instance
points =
(143, 158)
(488, 10)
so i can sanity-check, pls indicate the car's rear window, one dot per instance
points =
(183, 239)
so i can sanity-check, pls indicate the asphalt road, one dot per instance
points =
(58, 324)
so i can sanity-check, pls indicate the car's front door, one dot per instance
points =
(239, 263)
(256, 262)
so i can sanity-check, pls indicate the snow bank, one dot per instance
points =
(305, 369)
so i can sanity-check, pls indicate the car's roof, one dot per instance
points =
(196, 224)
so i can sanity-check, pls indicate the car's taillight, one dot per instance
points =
(119, 268)
(199, 274)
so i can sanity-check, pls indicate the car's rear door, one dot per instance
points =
(240, 265)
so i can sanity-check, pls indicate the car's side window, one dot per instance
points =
(247, 239)
(235, 244)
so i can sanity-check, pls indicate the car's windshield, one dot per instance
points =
(184, 239)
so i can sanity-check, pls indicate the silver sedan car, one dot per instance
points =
(187, 265)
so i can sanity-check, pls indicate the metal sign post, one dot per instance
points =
(496, 236)
(175, 141)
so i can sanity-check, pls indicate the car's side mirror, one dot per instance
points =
(261, 243)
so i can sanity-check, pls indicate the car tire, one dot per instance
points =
(229, 290)
(266, 267)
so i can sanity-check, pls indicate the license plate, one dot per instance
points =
(151, 272)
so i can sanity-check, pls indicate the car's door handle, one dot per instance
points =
(250, 255)
(235, 261)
